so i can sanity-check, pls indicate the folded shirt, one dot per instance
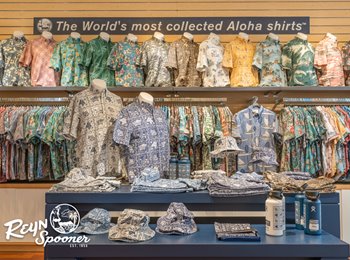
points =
(236, 232)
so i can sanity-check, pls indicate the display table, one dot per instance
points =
(204, 245)
(195, 201)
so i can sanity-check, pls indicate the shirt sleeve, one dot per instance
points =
(87, 57)
(228, 59)
(71, 121)
(202, 62)
(346, 57)
(257, 60)
(172, 57)
(287, 57)
(122, 129)
(236, 127)
(27, 55)
(320, 56)
(114, 61)
(55, 60)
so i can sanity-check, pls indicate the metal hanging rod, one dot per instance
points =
(316, 101)
(24, 99)
(188, 100)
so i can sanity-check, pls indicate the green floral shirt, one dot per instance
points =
(123, 60)
(11, 73)
(67, 58)
(298, 59)
(95, 59)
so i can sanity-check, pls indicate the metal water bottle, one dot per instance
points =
(275, 213)
(173, 167)
(312, 211)
(184, 167)
(299, 211)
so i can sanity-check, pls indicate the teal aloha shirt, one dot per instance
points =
(298, 59)
(123, 60)
(268, 59)
(67, 57)
(95, 59)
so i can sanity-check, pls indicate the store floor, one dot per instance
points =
(21, 256)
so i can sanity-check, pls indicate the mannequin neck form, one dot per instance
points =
(98, 85)
(332, 36)
(188, 36)
(131, 37)
(302, 36)
(243, 36)
(18, 34)
(146, 98)
(47, 35)
(273, 36)
(75, 35)
(159, 36)
(105, 36)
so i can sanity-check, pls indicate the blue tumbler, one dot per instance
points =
(299, 211)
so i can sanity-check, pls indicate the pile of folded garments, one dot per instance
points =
(205, 174)
(236, 232)
(80, 180)
(298, 175)
(149, 181)
(222, 186)
(177, 221)
(288, 184)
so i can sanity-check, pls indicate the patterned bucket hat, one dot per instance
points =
(97, 221)
(226, 144)
(265, 155)
(132, 227)
(178, 220)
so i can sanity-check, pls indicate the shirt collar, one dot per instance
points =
(269, 39)
(145, 105)
(102, 40)
(43, 39)
(301, 40)
(157, 40)
(70, 39)
(186, 40)
(95, 91)
(16, 39)
(128, 41)
(252, 111)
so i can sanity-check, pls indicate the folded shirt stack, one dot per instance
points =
(288, 184)
(80, 180)
(149, 181)
(298, 175)
(223, 186)
(236, 232)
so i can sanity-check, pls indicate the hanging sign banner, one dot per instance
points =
(173, 25)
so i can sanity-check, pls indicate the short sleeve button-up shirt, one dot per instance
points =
(143, 130)
(89, 121)
(238, 58)
(95, 60)
(122, 60)
(182, 58)
(37, 55)
(154, 56)
(328, 59)
(255, 127)
(268, 59)
(10, 53)
(298, 59)
(210, 57)
(67, 58)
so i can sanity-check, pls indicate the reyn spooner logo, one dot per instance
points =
(64, 219)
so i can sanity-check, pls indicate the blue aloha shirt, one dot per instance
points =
(143, 131)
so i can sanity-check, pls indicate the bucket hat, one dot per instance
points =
(97, 221)
(178, 220)
(226, 144)
(265, 155)
(132, 227)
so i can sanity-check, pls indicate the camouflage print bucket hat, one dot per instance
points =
(264, 155)
(132, 227)
(178, 220)
(97, 221)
